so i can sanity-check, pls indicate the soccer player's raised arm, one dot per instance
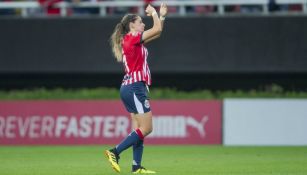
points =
(163, 13)
(157, 26)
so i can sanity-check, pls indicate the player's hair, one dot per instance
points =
(121, 29)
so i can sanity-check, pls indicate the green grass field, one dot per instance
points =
(166, 160)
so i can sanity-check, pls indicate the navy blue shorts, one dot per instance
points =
(135, 97)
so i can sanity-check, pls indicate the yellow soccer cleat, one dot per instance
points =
(143, 170)
(113, 159)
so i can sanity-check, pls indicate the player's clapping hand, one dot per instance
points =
(163, 10)
(149, 10)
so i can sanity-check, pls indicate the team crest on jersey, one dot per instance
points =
(146, 104)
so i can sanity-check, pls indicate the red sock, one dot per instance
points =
(139, 133)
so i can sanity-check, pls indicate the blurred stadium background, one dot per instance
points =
(214, 45)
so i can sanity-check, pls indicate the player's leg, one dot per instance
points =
(144, 123)
(136, 102)
(133, 138)
(113, 154)
(135, 99)
(137, 147)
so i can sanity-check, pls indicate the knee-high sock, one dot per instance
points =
(137, 154)
(131, 139)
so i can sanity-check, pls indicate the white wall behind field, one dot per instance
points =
(265, 122)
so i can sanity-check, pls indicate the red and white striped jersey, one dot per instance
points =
(135, 59)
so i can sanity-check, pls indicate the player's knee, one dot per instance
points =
(146, 130)
(149, 130)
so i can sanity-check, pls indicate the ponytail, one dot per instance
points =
(120, 30)
(116, 40)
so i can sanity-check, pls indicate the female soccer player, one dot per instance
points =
(127, 43)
